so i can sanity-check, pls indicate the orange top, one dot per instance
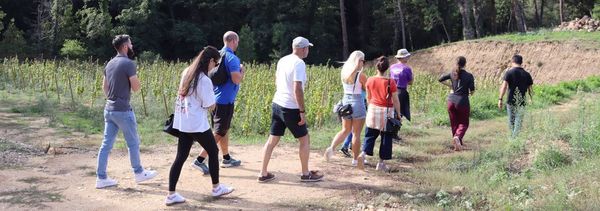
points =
(378, 93)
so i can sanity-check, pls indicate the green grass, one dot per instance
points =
(547, 35)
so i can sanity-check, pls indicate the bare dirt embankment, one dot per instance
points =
(547, 61)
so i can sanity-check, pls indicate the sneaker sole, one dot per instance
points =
(229, 165)
(267, 180)
(224, 194)
(106, 186)
(145, 179)
(174, 203)
(311, 180)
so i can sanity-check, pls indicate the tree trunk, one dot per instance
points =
(541, 12)
(537, 14)
(561, 5)
(519, 15)
(446, 31)
(493, 17)
(364, 30)
(465, 10)
(478, 22)
(344, 30)
(401, 17)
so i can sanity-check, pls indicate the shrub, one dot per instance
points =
(550, 159)
(73, 49)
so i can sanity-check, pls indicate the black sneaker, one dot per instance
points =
(313, 176)
(267, 178)
(346, 152)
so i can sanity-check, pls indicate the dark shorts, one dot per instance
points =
(221, 118)
(282, 118)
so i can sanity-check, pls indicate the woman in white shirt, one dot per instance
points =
(195, 99)
(353, 80)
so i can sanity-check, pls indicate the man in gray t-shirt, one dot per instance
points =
(118, 73)
(119, 80)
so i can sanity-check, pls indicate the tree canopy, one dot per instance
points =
(178, 29)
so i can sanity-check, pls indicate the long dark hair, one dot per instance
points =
(199, 65)
(461, 62)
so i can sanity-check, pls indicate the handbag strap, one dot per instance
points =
(389, 97)
(355, 79)
(354, 86)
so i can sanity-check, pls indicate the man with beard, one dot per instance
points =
(119, 80)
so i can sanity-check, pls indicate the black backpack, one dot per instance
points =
(219, 75)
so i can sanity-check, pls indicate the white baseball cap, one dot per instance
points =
(301, 42)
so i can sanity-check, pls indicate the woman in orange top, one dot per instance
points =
(382, 104)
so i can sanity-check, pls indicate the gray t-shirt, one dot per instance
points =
(117, 73)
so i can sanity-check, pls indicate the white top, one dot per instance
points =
(357, 89)
(290, 69)
(191, 113)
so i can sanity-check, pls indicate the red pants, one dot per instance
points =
(459, 119)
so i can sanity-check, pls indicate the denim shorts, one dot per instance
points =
(359, 110)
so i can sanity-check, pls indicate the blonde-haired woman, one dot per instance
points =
(353, 80)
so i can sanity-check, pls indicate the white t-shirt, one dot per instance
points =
(290, 69)
(191, 113)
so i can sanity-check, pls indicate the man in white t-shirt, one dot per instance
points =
(288, 110)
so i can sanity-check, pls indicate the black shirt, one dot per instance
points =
(460, 87)
(518, 79)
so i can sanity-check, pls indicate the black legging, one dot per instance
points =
(186, 140)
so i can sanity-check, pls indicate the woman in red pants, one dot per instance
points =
(462, 84)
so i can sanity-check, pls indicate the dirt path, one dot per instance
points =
(64, 178)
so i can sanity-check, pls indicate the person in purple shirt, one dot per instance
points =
(403, 76)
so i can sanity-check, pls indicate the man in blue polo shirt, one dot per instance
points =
(225, 96)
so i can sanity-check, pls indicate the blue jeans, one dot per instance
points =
(515, 118)
(113, 121)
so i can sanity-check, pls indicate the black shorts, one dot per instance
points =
(221, 118)
(282, 118)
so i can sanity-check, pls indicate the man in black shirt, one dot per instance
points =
(518, 81)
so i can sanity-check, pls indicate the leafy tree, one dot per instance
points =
(13, 42)
(73, 49)
(247, 47)
(64, 23)
(96, 26)
(2, 14)
(596, 11)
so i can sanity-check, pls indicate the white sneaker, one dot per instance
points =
(328, 154)
(174, 199)
(102, 183)
(145, 175)
(382, 167)
(354, 162)
(221, 190)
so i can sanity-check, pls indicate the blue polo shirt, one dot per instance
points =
(226, 92)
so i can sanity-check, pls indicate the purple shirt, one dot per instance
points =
(402, 74)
